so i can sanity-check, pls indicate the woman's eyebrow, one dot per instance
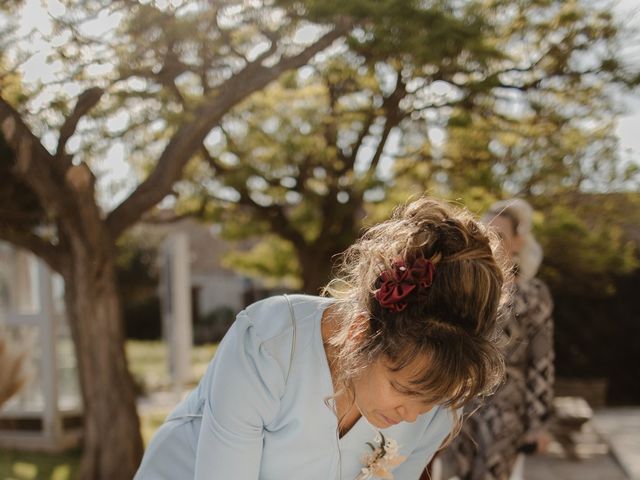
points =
(403, 389)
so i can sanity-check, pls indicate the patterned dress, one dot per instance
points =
(488, 444)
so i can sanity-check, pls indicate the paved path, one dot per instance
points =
(601, 467)
(621, 429)
(608, 446)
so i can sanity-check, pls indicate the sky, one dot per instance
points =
(114, 170)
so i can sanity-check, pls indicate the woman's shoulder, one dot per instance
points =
(534, 303)
(536, 291)
(273, 315)
(272, 319)
(261, 339)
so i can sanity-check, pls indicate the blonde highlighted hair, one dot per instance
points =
(454, 325)
(520, 214)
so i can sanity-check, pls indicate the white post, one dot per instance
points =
(178, 323)
(51, 422)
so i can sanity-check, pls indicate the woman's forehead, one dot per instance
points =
(417, 377)
(409, 368)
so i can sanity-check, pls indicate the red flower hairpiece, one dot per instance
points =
(398, 283)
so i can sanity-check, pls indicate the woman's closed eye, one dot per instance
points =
(427, 402)
(405, 390)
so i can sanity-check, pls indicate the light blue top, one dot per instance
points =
(251, 417)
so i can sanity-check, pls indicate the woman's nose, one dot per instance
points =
(409, 413)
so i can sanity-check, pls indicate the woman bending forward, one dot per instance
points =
(364, 382)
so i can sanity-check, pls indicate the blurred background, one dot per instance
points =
(165, 163)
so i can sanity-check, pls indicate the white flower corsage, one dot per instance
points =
(383, 457)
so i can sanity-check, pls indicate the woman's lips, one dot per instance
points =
(388, 420)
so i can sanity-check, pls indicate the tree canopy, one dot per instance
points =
(521, 103)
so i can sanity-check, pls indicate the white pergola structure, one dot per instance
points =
(175, 296)
(47, 414)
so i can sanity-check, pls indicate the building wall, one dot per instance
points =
(219, 289)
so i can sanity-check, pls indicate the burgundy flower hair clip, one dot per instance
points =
(403, 283)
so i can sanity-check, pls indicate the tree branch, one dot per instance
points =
(224, 33)
(68, 196)
(273, 47)
(162, 219)
(40, 247)
(329, 127)
(394, 116)
(361, 136)
(189, 137)
(19, 216)
(213, 162)
(86, 101)
(275, 216)
(33, 161)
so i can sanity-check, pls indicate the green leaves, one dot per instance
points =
(272, 260)
(586, 243)
(474, 99)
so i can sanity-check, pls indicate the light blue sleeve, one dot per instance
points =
(438, 429)
(242, 395)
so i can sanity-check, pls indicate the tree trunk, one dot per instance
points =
(315, 269)
(112, 444)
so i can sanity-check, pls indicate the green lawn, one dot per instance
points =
(147, 362)
(31, 466)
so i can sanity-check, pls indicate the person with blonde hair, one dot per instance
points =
(513, 420)
(363, 382)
